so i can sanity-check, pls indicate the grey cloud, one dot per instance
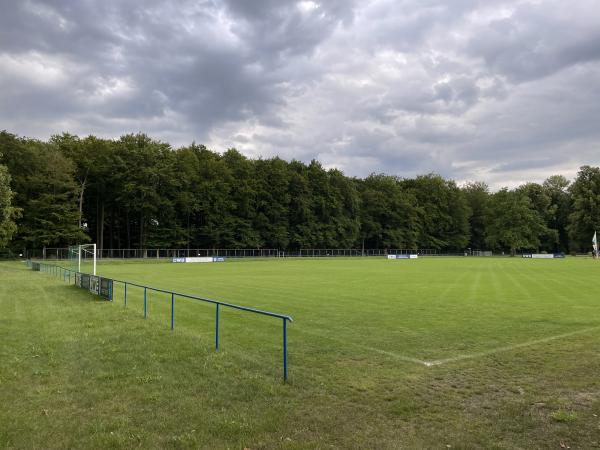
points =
(539, 39)
(524, 165)
(277, 30)
(504, 90)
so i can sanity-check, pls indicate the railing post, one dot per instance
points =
(285, 362)
(145, 304)
(172, 311)
(217, 330)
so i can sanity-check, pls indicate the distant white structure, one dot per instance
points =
(402, 256)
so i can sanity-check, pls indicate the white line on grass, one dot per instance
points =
(366, 347)
(393, 355)
(438, 362)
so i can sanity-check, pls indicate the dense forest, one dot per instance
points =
(136, 192)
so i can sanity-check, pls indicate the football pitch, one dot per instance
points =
(427, 353)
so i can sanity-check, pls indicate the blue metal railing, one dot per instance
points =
(65, 273)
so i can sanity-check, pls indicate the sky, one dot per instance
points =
(499, 91)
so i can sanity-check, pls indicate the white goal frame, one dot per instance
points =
(88, 249)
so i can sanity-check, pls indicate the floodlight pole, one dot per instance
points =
(79, 258)
(94, 259)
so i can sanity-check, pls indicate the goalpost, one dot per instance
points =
(83, 253)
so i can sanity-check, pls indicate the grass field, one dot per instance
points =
(428, 353)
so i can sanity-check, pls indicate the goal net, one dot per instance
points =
(82, 258)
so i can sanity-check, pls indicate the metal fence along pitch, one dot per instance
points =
(48, 253)
(72, 276)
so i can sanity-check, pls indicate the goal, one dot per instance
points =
(82, 258)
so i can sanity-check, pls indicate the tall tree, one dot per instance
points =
(186, 201)
(45, 189)
(242, 193)
(8, 213)
(514, 223)
(272, 202)
(389, 216)
(301, 215)
(541, 201)
(477, 195)
(144, 178)
(344, 204)
(444, 212)
(557, 188)
(584, 219)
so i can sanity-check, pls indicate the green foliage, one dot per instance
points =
(477, 196)
(541, 202)
(444, 212)
(272, 202)
(42, 178)
(389, 214)
(585, 212)
(139, 192)
(556, 188)
(8, 213)
(514, 222)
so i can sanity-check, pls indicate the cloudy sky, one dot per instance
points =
(500, 91)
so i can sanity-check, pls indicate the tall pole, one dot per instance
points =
(94, 259)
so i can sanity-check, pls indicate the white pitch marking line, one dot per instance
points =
(366, 347)
(394, 355)
(438, 362)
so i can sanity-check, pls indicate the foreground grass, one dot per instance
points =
(80, 373)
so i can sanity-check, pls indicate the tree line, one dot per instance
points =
(137, 192)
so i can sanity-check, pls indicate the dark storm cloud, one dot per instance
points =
(503, 91)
